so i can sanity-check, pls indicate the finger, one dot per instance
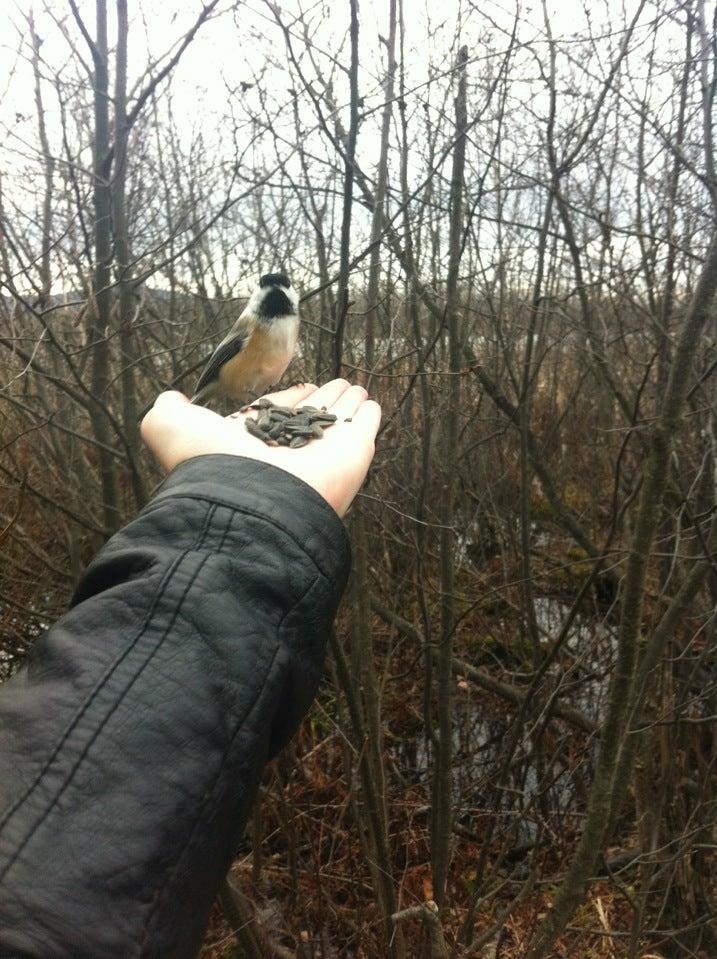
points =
(164, 405)
(367, 419)
(170, 398)
(293, 396)
(329, 393)
(349, 402)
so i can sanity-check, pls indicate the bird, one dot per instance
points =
(257, 350)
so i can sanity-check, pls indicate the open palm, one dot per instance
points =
(335, 466)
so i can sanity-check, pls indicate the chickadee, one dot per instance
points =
(259, 347)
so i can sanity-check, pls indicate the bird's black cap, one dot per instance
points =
(274, 279)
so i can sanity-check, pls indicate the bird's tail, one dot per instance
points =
(204, 394)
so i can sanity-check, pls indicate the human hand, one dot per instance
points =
(335, 466)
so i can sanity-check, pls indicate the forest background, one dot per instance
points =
(501, 219)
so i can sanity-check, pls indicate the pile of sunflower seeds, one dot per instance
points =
(283, 426)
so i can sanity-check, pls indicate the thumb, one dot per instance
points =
(161, 415)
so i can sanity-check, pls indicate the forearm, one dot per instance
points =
(132, 744)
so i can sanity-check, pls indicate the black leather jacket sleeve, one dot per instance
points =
(132, 742)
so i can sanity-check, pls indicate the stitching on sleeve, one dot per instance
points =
(199, 542)
(226, 531)
(95, 691)
(80, 712)
(170, 878)
(104, 721)
(240, 724)
(256, 515)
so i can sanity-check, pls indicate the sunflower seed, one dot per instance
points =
(298, 441)
(254, 428)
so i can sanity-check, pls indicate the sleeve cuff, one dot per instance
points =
(262, 490)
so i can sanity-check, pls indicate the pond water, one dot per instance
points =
(482, 726)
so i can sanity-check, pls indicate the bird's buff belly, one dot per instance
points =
(261, 363)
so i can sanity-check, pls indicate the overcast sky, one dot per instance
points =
(243, 40)
(242, 44)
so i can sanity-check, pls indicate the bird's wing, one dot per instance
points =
(233, 343)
